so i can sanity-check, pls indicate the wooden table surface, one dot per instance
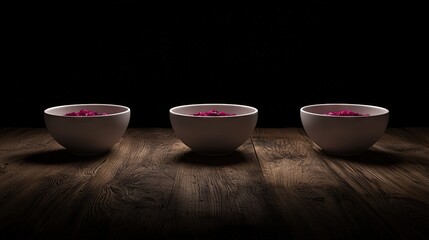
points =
(275, 186)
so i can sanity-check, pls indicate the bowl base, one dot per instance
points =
(340, 154)
(208, 154)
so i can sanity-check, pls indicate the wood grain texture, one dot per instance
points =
(39, 184)
(128, 196)
(392, 178)
(376, 195)
(275, 186)
(219, 197)
(314, 201)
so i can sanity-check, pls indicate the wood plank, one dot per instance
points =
(276, 186)
(122, 194)
(313, 200)
(393, 178)
(127, 199)
(38, 182)
(220, 197)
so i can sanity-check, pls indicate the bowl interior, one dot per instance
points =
(111, 109)
(322, 109)
(237, 109)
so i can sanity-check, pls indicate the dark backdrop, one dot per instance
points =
(154, 55)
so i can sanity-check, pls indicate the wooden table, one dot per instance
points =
(275, 186)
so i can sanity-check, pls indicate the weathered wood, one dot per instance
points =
(393, 179)
(39, 182)
(129, 195)
(276, 186)
(219, 197)
(319, 195)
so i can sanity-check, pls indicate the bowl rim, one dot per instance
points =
(384, 110)
(253, 110)
(125, 109)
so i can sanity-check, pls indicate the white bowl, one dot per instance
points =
(213, 135)
(87, 135)
(344, 135)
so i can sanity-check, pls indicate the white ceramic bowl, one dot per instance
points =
(213, 135)
(87, 135)
(344, 135)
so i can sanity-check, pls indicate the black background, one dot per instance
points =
(153, 55)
